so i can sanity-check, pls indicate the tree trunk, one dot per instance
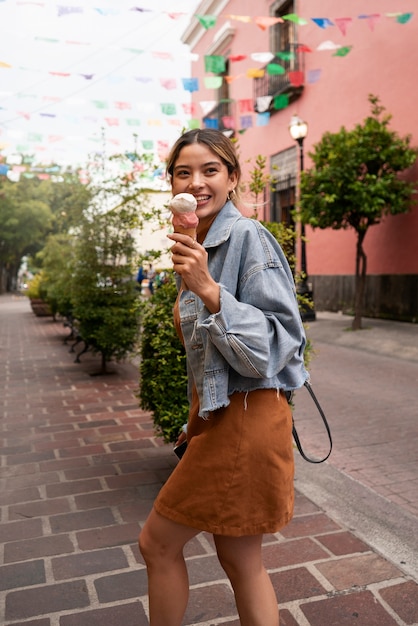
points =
(360, 281)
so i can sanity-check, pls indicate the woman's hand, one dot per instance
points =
(190, 261)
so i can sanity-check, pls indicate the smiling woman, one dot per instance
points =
(237, 315)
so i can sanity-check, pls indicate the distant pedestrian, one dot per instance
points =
(140, 277)
(151, 278)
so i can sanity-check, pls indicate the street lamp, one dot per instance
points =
(298, 131)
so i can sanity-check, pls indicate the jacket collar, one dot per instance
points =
(220, 229)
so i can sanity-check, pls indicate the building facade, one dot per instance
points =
(258, 64)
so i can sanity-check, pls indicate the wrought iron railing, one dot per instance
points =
(290, 82)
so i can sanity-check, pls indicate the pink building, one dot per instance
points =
(329, 57)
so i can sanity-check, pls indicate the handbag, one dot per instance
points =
(327, 428)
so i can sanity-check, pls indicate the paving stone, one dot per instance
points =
(107, 537)
(304, 506)
(357, 571)
(343, 543)
(39, 508)
(96, 423)
(205, 568)
(62, 464)
(30, 457)
(129, 614)
(81, 519)
(22, 575)
(130, 480)
(291, 552)
(122, 586)
(19, 495)
(287, 619)
(81, 451)
(403, 599)
(13, 531)
(106, 498)
(80, 565)
(37, 547)
(354, 609)
(45, 621)
(89, 472)
(70, 488)
(295, 584)
(47, 599)
(309, 525)
(30, 479)
(211, 602)
(135, 511)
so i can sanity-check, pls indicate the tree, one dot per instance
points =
(24, 222)
(355, 182)
(103, 295)
(30, 210)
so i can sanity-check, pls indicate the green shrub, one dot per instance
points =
(163, 377)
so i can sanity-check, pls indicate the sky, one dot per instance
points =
(83, 77)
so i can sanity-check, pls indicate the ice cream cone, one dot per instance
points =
(185, 220)
(186, 231)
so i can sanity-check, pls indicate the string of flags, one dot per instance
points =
(124, 113)
(210, 21)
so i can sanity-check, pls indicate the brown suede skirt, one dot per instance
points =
(236, 477)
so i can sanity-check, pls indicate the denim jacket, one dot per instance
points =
(256, 340)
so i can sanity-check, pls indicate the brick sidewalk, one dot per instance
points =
(80, 469)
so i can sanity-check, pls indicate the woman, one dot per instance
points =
(244, 341)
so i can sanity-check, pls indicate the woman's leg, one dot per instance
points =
(161, 543)
(241, 559)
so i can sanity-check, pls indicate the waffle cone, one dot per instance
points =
(186, 231)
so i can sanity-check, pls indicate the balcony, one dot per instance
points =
(281, 84)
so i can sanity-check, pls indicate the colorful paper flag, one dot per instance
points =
(190, 84)
(342, 23)
(342, 52)
(245, 105)
(207, 21)
(263, 103)
(293, 17)
(262, 119)
(322, 22)
(168, 108)
(254, 72)
(266, 22)
(211, 122)
(262, 57)
(281, 101)
(235, 58)
(214, 63)
(274, 69)
(246, 121)
(213, 82)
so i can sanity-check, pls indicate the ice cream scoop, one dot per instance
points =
(183, 207)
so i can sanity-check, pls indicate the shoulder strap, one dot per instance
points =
(324, 419)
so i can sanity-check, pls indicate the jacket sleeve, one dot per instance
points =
(259, 332)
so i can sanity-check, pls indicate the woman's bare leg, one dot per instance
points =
(161, 543)
(241, 559)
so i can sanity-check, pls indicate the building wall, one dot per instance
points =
(382, 61)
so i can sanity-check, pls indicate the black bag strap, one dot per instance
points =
(324, 419)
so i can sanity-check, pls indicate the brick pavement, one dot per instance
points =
(79, 471)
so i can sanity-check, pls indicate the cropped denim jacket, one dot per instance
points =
(256, 340)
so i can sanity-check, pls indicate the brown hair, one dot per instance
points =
(215, 140)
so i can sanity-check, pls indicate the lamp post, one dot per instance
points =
(298, 131)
